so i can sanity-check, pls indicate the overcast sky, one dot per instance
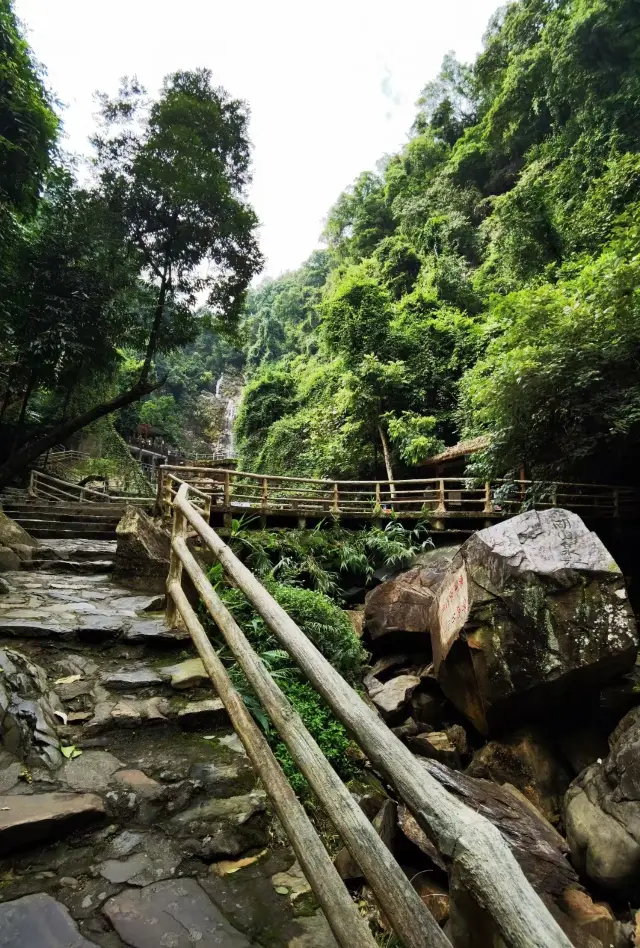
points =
(331, 85)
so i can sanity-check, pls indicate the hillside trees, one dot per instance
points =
(482, 280)
(124, 262)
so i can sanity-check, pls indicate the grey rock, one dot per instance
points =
(207, 713)
(4, 587)
(124, 678)
(25, 820)
(118, 871)
(9, 560)
(404, 603)
(394, 694)
(236, 810)
(124, 844)
(530, 608)
(602, 814)
(315, 933)
(436, 745)
(224, 778)
(27, 706)
(153, 631)
(179, 910)
(187, 674)
(39, 921)
(91, 771)
(143, 546)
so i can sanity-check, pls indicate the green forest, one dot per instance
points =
(482, 281)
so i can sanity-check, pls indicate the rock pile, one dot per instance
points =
(504, 667)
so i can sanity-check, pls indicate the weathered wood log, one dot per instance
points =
(481, 856)
(349, 928)
(396, 896)
(538, 847)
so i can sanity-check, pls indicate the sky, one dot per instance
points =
(331, 86)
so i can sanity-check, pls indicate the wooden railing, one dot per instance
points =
(431, 498)
(50, 489)
(480, 857)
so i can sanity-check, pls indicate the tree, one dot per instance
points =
(170, 191)
(28, 125)
(176, 170)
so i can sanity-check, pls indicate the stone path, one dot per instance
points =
(129, 813)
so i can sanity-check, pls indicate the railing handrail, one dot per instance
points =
(329, 482)
(57, 484)
(482, 858)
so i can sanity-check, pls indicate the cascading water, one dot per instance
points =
(228, 393)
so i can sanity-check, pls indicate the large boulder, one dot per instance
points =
(142, 552)
(602, 814)
(13, 536)
(28, 706)
(530, 609)
(525, 760)
(15, 544)
(404, 603)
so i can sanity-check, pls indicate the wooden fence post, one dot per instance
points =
(350, 930)
(487, 498)
(336, 499)
(227, 489)
(409, 917)
(442, 505)
(616, 502)
(175, 566)
(265, 494)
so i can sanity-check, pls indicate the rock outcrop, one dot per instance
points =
(142, 552)
(15, 544)
(530, 608)
(404, 603)
(602, 813)
(526, 760)
(28, 706)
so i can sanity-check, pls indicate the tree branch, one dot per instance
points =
(64, 430)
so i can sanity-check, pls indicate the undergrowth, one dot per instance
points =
(307, 571)
(328, 558)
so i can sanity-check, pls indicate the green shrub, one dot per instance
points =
(329, 629)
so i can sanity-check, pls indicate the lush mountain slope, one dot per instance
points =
(484, 279)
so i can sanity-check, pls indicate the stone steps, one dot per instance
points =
(50, 530)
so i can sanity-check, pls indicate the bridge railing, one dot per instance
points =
(433, 498)
(480, 856)
(50, 489)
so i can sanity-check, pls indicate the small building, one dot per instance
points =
(452, 462)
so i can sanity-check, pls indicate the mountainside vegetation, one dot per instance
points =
(101, 282)
(484, 280)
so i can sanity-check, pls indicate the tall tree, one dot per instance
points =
(171, 177)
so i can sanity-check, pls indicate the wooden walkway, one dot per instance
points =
(446, 503)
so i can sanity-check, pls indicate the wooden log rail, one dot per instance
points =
(432, 498)
(479, 855)
(52, 489)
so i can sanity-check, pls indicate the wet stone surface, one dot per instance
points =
(115, 842)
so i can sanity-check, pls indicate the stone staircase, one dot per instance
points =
(129, 813)
(64, 521)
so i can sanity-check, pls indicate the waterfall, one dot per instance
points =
(225, 445)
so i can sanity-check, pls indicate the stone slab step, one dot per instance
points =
(71, 567)
(39, 921)
(84, 516)
(180, 909)
(25, 820)
(54, 531)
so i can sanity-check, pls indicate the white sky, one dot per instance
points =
(331, 85)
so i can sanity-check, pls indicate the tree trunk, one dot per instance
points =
(23, 411)
(152, 345)
(387, 459)
(65, 429)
